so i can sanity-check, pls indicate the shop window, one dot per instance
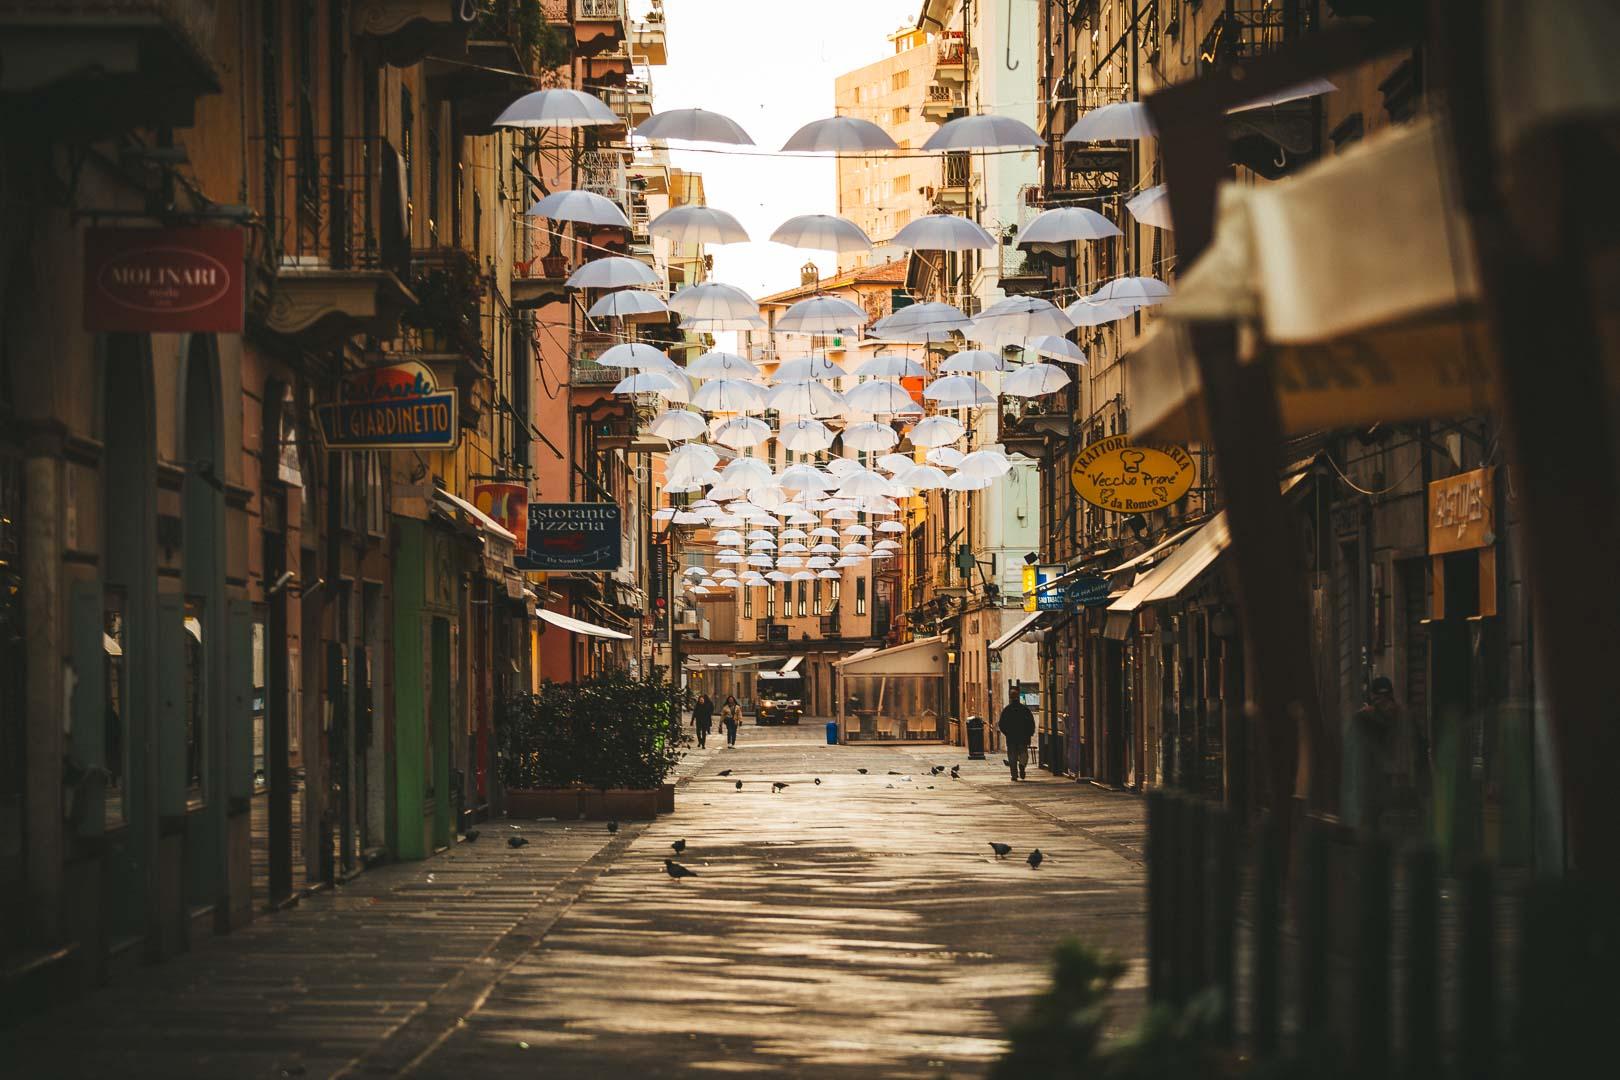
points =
(114, 641)
(196, 698)
(804, 597)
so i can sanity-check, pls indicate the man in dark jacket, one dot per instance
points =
(1017, 726)
(703, 718)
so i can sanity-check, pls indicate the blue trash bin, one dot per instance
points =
(832, 733)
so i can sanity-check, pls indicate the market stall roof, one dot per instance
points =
(578, 626)
(1024, 626)
(484, 521)
(925, 656)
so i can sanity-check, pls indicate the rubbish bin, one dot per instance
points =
(975, 737)
(832, 733)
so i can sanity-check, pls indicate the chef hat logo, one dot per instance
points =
(1133, 460)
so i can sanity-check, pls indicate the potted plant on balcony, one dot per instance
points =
(449, 300)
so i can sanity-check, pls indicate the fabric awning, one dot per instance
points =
(1175, 573)
(925, 656)
(484, 521)
(1023, 626)
(578, 626)
(1153, 552)
(792, 664)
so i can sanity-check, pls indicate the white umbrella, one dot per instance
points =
(769, 497)
(612, 272)
(857, 530)
(958, 391)
(857, 549)
(821, 314)
(693, 571)
(960, 482)
(922, 477)
(1151, 207)
(1122, 120)
(1087, 312)
(893, 463)
(728, 538)
(849, 560)
(886, 545)
(663, 513)
(804, 575)
(805, 397)
(693, 125)
(982, 133)
(626, 302)
(708, 583)
(724, 521)
(794, 547)
(723, 574)
(937, 431)
(762, 545)
(1058, 348)
(583, 206)
(652, 382)
(1020, 317)
(843, 466)
(794, 534)
(1061, 224)
(879, 398)
(984, 463)
(869, 436)
(808, 367)
(864, 482)
(634, 354)
(969, 360)
(1140, 291)
(756, 535)
(761, 560)
(745, 472)
(717, 364)
(729, 395)
(804, 478)
(713, 300)
(822, 530)
(942, 232)
(891, 527)
(741, 432)
(556, 108)
(882, 504)
(891, 366)
(822, 232)
(917, 322)
(945, 456)
(839, 133)
(684, 517)
(778, 575)
(1034, 380)
(731, 583)
(789, 561)
(693, 225)
(804, 435)
(693, 457)
(678, 424)
(828, 574)
(729, 557)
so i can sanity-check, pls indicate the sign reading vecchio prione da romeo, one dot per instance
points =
(574, 536)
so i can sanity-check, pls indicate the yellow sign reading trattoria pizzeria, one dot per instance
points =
(1117, 475)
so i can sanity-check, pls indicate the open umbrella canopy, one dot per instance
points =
(821, 315)
(849, 560)
(960, 482)
(804, 575)
(984, 463)
(653, 382)
(793, 547)
(634, 354)
(942, 232)
(746, 473)
(804, 435)
(843, 466)
(678, 424)
(1020, 318)
(864, 482)
(721, 365)
(626, 302)
(922, 477)
(805, 397)
(1056, 347)
(1088, 312)
(970, 360)
(1061, 224)
(839, 133)
(808, 367)
(693, 125)
(1119, 121)
(869, 435)
(946, 457)
(1140, 291)
(712, 300)
(612, 272)
(805, 478)
(1034, 380)
(728, 538)
(556, 108)
(1152, 207)
(879, 398)
(729, 395)
(937, 431)
(891, 527)
(794, 534)
(958, 391)
(893, 463)
(822, 232)
(582, 206)
(982, 133)
(694, 225)
(828, 574)
(891, 366)
(919, 322)
(741, 432)
(761, 559)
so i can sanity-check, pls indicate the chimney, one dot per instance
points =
(808, 274)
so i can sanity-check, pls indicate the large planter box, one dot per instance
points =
(666, 799)
(560, 803)
(620, 804)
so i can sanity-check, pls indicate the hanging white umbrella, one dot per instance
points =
(857, 530)
(822, 530)
(624, 303)
(822, 232)
(724, 521)
(693, 458)
(849, 560)
(891, 366)
(1020, 318)
(746, 472)
(663, 513)
(1140, 291)
(857, 549)
(559, 108)
(721, 365)
(827, 574)
(694, 225)
(729, 395)
(893, 463)
(937, 431)
(971, 360)
(805, 397)
(1034, 380)
(634, 354)
(789, 561)
(804, 478)
(652, 382)
(1056, 347)
(942, 232)
(922, 477)
(769, 497)
(984, 463)
(879, 504)
(959, 482)
(678, 424)
(793, 547)
(864, 482)
(741, 432)
(837, 133)
(756, 535)
(1087, 312)
(947, 457)
(762, 545)
(879, 398)
(731, 583)
(886, 545)
(1152, 207)
(729, 557)
(1120, 121)
(612, 272)
(728, 538)
(712, 300)
(983, 133)
(693, 125)
(723, 574)
(808, 367)
(761, 559)
(582, 206)
(794, 534)
(778, 575)
(918, 322)
(958, 391)
(1062, 224)
(804, 435)
(891, 527)
(869, 435)
(843, 466)
(821, 315)
(804, 575)
(693, 571)
(684, 517)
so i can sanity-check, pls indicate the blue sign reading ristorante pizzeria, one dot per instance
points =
(398, 407)
(573, 536)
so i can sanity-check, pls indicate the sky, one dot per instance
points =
(770, 66)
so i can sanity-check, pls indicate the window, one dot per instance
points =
(815, 600)
(900, 80)
(835, 584)
(196, 697)
(860, 596)
(407, 144)
(787, 600)
(748, 601)
(804, 607)
(770, 602)
(376, 511)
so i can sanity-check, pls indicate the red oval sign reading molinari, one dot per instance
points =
(163, 280)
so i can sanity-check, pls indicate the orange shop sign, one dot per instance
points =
(1462, 511)
(1116, 474)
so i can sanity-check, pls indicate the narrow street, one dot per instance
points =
(861, 926)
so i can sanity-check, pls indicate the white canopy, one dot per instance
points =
(578, 626)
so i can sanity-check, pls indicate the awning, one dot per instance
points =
(1153, 552)
(792, 664)
(1024, 625)
(925, 656)
(578, 626)
(484, 521)
(1165, 581)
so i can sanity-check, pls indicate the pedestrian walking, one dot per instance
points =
(731, 716)
(703, 718)
(1017, 726)
(1395, 762)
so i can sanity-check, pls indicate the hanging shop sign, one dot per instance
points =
(508, 505)
(1116, 474)
(398, 407)
(573, 536)
(163, 281)
(1462, 512)
(1087, 590)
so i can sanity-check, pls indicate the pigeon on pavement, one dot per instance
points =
(818, 781)
(613, 826)
(861, 771)
(723, 772)
(679, 846)
(1034, 859)
(516, 841)
(472, 834)
(739, 785)
(1001, 850)
(936, 770)
(896, 772)
(676, 870)
(956, 772)
(778, 786)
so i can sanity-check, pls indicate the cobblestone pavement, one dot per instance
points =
(861, 926)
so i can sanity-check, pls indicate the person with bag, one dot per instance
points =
(1017, 725)
(731, 716)
(703, 718)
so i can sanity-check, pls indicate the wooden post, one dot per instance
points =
(1422, 1004)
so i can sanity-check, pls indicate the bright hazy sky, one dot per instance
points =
(769, 65)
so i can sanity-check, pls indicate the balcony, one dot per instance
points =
(950, 58)
(406, 31)
(647, 40)
(598, 26)
(602, 172)
(82, 69)
(942, 103)
(445, 325)
(956, 181)
(583, 370)
(539, 281)
(340, 240)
